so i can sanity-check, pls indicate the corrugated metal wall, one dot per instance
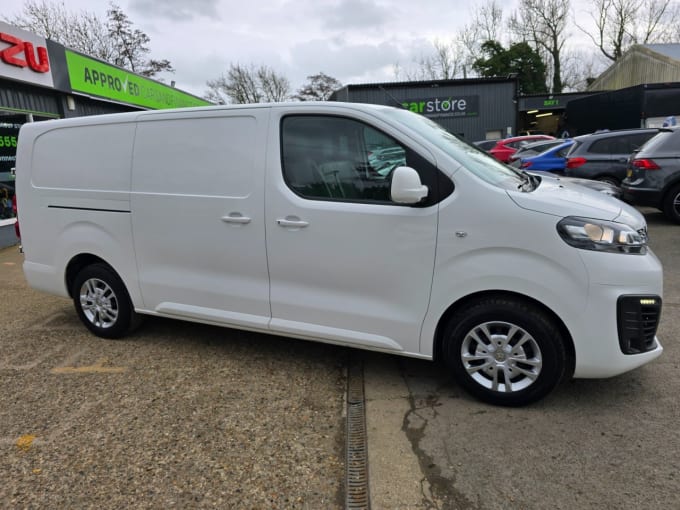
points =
(22, 97)
(85, 106)
(25, 98)
(497, 105)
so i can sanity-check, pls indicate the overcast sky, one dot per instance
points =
(355, 41)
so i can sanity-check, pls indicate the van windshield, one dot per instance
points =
(470, 157)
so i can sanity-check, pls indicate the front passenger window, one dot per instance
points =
(336, 158)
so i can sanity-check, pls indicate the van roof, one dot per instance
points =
(113, 118)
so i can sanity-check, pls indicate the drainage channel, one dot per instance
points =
(357, 449)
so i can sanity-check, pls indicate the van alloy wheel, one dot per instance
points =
(102, 302)
(501, 356)
(505, 350)
(99, 303)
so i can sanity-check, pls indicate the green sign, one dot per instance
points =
(8, 153)
(94, 77)
(458, 106)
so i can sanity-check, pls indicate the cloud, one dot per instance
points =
(353, 14)
(176, 10)
(343, 61)
(193, 71)
(354, 41)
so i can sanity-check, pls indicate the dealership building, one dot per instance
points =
(474, 109)
(42, 80)
(641, 89)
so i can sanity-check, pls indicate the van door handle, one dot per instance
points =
(292, 222)
(236, 218)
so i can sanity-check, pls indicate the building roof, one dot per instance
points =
(336, 95)
(641, 64)
(433, 83)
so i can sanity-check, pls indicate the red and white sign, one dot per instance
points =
(24, 56)
(18, 49)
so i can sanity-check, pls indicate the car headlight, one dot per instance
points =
(601, 235)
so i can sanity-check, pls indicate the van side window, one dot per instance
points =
(336, 158)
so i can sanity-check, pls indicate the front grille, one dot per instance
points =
(638, 318)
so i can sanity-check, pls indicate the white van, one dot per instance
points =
(360, 225)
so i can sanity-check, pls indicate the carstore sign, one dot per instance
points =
(91, 76)
(449, 106)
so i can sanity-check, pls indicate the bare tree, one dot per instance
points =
(486, 25)
(488, 21)
(580, 68)
(132, 45)
(622, 23)
(82, 31)
(470, 39)
(114, 41)
(247, 84)
(275, 87)
(444, 63)
(319, 87)
(543, 24)
(454, 58)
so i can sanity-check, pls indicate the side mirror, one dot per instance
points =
(406, 186)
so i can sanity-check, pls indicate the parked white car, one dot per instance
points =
(270, 218)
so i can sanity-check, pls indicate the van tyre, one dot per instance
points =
(103, 303)
(504, 352)
(671, 204)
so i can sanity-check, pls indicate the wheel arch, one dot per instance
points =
(103, 304)
(77, 264)
(478, 296)
(669, 186)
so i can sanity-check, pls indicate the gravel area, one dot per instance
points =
(178, 415)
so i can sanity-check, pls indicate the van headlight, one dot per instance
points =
(601, 235)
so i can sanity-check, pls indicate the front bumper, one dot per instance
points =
(641, 196)
(599, 342)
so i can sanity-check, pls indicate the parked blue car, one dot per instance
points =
(551, 160)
